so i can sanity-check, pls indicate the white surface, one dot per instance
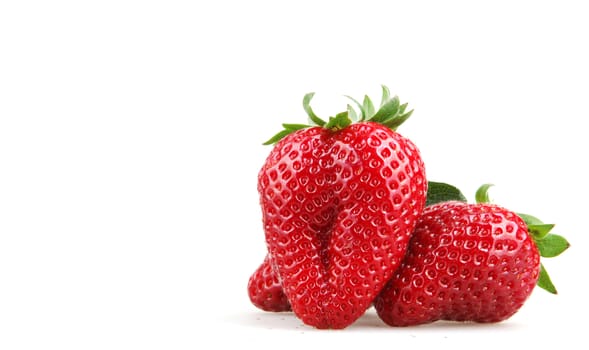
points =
(130, 141)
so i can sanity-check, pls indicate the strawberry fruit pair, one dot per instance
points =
(347, 226)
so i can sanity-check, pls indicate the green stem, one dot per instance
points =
(482, 194)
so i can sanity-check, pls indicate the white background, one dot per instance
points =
(130, 141)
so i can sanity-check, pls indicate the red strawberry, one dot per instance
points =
(339, 201)
(476, 262)
(265, 291)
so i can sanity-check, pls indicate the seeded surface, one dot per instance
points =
(265, 291)
(464, 262)
(338, 209)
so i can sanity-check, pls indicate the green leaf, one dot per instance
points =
(368, 107)
(530, 219)
(360, 107)
(307, 106)
(295, 126)
(395, 122)
(544, 281)
(288, 129)
(438, 192)
(386, 95)
(539, 231)
(279, 136)
(482, 194)
(352, 114)
(388, 110)
(552, 245)
(390, 113)
(340, 121)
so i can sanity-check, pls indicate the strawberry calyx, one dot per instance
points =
(549, 244)
(391, 113)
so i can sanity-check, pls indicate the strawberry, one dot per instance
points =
(476, 262)
(339, 201)
(265, 291)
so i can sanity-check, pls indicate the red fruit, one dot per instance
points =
(474, 262)
(265, 291)
(339, 202)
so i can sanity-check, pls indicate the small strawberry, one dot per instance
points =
(265, 291)
(475, 262)
(339, 201)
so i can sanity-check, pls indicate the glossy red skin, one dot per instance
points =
(265, 291)
(338, 209)
(465, 262)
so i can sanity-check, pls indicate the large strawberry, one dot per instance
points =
(339, 202)
(476, 262)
